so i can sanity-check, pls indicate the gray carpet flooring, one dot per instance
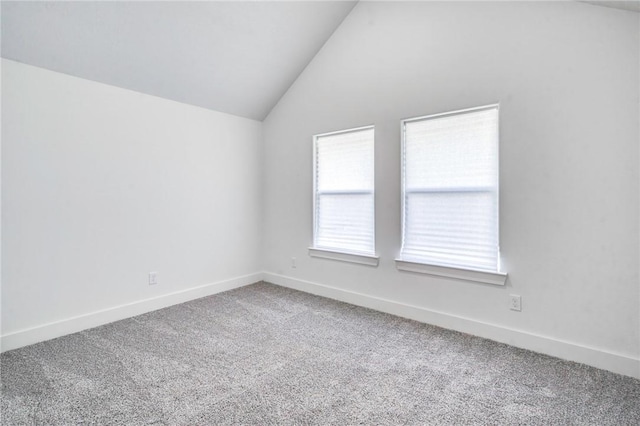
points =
(263, 354)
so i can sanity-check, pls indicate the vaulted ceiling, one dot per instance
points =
(237, 57)
(233, 57)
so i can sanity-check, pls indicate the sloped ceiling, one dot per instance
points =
(233, 57)
(237, 57)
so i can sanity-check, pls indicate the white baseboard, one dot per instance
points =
(93, 319)
(617, 363)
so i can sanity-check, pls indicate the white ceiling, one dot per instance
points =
(236, 57)
(233, 57)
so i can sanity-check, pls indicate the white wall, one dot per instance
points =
(566, 77)
(102, 185)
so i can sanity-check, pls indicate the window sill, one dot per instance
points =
(484, 277)
(361, 259)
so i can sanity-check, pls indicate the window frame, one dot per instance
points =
(351, 256)
(496, 277)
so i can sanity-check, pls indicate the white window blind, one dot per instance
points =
(450, 189)
(344, 191)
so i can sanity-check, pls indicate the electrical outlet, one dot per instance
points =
(515, 302)
(293, 263)
(153, 278)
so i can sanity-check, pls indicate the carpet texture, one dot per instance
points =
(264, 355)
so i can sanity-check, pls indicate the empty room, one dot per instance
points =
(320, 213)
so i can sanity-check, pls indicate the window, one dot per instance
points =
(450, 191)
(344, 194)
